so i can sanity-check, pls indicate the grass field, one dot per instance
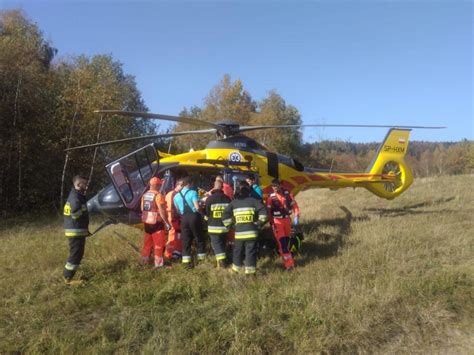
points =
(374, 276)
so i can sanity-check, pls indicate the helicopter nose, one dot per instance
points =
(108, 203)
(93, 205)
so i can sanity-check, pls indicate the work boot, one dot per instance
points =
(159, 261)
(145, 260)
(201, 258)
(234, 269)
(176, 256)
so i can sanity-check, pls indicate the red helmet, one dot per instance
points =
(154, 181)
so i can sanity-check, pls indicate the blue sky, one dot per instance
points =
(361, 62)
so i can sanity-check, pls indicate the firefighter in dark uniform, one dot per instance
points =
(215, 206)
(248, 214)
(76, 227)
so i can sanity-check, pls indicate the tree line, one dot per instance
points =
(424, 158)
(47, 105)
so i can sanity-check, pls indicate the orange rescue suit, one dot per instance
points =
(174, 246)
(155, 235)
(280, 206)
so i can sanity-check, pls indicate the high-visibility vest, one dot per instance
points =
(150, 212)
(282, 204)
(173, 214)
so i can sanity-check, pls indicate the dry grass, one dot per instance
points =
(374, 276)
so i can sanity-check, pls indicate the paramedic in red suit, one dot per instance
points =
(155, 223)
(281, 205)
(174, 245)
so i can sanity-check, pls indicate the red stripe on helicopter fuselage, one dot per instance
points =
(317, 178)
(300, 179)
(284, 183)
(287, 185)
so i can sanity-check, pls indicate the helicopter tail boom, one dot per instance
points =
(389, 163)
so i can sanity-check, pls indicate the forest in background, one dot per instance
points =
(47, 104)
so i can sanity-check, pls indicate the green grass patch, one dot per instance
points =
(373, 276)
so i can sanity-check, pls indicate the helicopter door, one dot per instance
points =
(130, 174)
(272, 165)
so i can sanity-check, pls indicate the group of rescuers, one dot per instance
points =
(173, 221)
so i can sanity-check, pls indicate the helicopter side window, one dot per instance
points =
(168, 183)
(130, 174)
(144, 164)
(135, 178)
(122, 181)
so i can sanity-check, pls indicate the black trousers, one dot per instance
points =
(191, 228)
(76, 252)
(247, 247)
(218, 242)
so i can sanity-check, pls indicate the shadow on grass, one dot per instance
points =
(410, 209)
(319, 244)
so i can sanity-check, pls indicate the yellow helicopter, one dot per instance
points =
(235, 156)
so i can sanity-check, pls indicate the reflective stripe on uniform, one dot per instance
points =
(222, 206)
(244, 211)
(70, 267)
(201, 256)
(227, 222)
(216, 229)
(235, 268)
(246, 235)
(76, 215)
(186, 259)
(220, 256)
(263, 217)
(250, 270)
(76, 232)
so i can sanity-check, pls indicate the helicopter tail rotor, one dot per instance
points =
(389, 163)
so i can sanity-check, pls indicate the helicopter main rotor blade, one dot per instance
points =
(188, 120)
(254, 128)
(153, 136)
